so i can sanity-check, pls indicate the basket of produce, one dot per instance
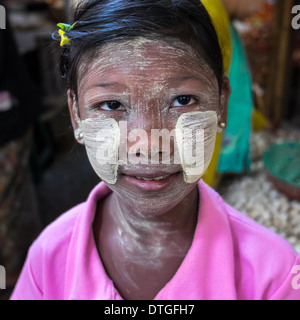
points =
(282, 162)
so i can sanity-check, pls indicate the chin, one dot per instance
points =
(152, 203)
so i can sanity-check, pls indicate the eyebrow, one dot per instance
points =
(184, 79)
(108, 85)
(177, 80)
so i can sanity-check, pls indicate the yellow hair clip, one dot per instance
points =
(62, 32)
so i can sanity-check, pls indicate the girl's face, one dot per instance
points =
(148, 112)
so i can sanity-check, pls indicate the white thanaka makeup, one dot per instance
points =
(140, 228)
(130, 231)
(144, 97)
(189, 123)
(139, 92)
(145, 76)
(195, 141)
(196, 137)
(98, 133)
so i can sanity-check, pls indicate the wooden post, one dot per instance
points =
(277, 89)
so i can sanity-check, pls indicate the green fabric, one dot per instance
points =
(235, 151)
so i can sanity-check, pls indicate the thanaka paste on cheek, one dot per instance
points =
(150, 74)
(196, 136)
(98, 134)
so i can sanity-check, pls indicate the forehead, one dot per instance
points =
(145, 60)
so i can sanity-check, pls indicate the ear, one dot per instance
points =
(223, 108)
(75, 117)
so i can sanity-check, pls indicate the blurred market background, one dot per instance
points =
(44, 172)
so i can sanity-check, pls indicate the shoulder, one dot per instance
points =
(57, 250)
(256, 239)
(49, 251)
(248, 230)
(60, 240)
(59, 232)
(263, 260)
(42, 276)
(244, 226)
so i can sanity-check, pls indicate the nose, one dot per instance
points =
(150, 141)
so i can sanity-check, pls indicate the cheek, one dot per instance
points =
(195, 141)
(195, 137)
(102, 140)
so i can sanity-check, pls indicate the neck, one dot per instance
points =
(141, 253)
(143, 238)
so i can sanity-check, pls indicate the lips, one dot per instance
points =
(153, 182)
(153, 179)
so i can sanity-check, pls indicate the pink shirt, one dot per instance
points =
(231, 257)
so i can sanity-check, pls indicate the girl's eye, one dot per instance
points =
(183, 101)
(111, 106)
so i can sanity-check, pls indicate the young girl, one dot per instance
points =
(147, 94)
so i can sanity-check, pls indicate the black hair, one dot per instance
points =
(102, 21)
